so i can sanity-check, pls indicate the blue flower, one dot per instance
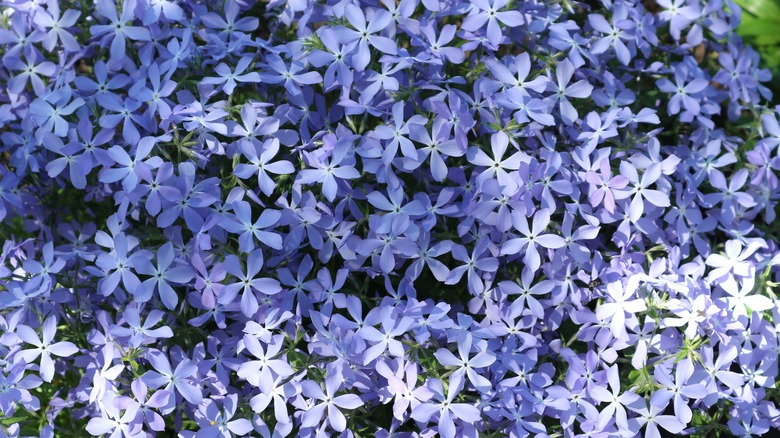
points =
(43, 347)
(290, 75)
(120, 29)
(228, 79)
(161, 276)
(364, 33)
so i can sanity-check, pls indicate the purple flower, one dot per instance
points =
(328, 171)
(526, 108)
(58, 27)
(615, 410)
(163, 8)
(118, 265)
(291, 76)
(620, 29)
(437, 146)
(437, 44)
(175, 381)
(231, 23)
(515, 78)
(142, 333)
(385, 340)
(364, 33)
(733, 262)
(270, 363)
(478, 260)
(601, 130)
(397, 212)
(684, 92)
(578, 251)
(68, 159)
(124, 113)
(131, 169)
(329, 402)
(498, 165)
(43, 347)
(678, 14)
(260, 156)
(30, 71)
(640, 189)
(120, 28)
(406, 393)
(692, 313)
(101, 84)
(651, 416)
(736, 76)
(741, 297)
(247, 282)
(563, 90)
(336, 57)
(241, 223)
(427, 257)
(208, 280)
(328, 291)
(621, 304)
(50, 109)
(276, 391)
(532, 237)
(104, 378)
(219, 424)
(717, 370)
(398, 132)
(116, 423)
(679, 389)
(228, 79)
(489, 11)
(605, 187)
(156, 96)
(145, 407)
(161, 275)
(465, 364)
(729, 194)
(525, 292)
(749, 425)
(446, 410)
(576, 45)
(155, 188)
(190, 199)
(43, 272)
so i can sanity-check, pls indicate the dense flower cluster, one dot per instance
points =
(386, 218)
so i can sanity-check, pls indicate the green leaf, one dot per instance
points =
(769, 40)
(765, 9)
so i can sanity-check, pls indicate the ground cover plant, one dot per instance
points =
(382, 218)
